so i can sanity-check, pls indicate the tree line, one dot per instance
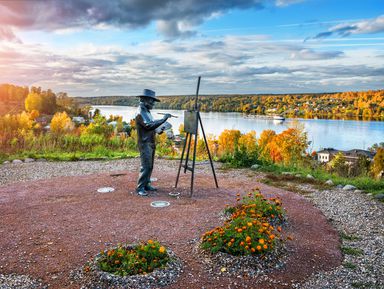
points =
(361, 104)
(15, 99)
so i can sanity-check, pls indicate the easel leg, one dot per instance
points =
(181, 159)
(209, 153)
(193, 163)
(188, 149)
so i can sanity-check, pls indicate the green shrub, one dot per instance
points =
(139, 259)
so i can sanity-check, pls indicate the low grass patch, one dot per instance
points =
(349, 237)
(351, 251)
(350, 265)
(367, 285)
(74, 156)
(364, 183)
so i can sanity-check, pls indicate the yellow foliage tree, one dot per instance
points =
(228, 141)
(33, 101)
(61, 124)
(265, 138)
(248, 141)
(34, 114)
(377, 168)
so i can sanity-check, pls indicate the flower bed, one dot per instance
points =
(250, 237)
(144, 265)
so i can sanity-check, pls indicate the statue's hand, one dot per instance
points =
(167, 115)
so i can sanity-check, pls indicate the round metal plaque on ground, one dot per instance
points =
(174, 194)
(105, 190)
(153, 180)
(160, 204)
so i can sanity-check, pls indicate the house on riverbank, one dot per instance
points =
(351, 156)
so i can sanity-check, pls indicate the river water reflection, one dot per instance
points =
(339, 134)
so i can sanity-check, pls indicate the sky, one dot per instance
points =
(120, 47)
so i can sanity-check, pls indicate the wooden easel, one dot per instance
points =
(192, 120)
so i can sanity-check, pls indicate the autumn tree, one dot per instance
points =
(248, 142)
(33, 102)
(61, 124)
(339, 165)
(228, 141)
(377, 168)
(42, 101)
(266, 137)
(292, 144)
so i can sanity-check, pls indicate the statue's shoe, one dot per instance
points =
(150, 188)
(142, 193)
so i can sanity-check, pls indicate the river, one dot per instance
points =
(338, 134)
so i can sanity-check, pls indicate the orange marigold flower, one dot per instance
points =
(265, 247)
(232, 240)
(87, 268)
(229, 244)
(239, 230)
(261, 241)
(249, 224)
(248, 239)
(253, 250)
(241, 243)
(150, 242)
(279, 228)
(258, 247)
(161, 249)
(272, 237)
(246, 247)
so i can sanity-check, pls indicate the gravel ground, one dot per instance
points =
(11, 173)
(14, 281)
(358, 218)
(360, 221)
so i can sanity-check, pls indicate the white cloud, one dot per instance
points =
(244, 64)
(368, 26)
(287, 2)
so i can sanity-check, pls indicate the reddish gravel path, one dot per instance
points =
(50, 227)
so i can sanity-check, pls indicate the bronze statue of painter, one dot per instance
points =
(146, 126)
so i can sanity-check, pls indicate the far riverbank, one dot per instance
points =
(322, 133)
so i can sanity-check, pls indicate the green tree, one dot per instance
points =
(48, 99)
